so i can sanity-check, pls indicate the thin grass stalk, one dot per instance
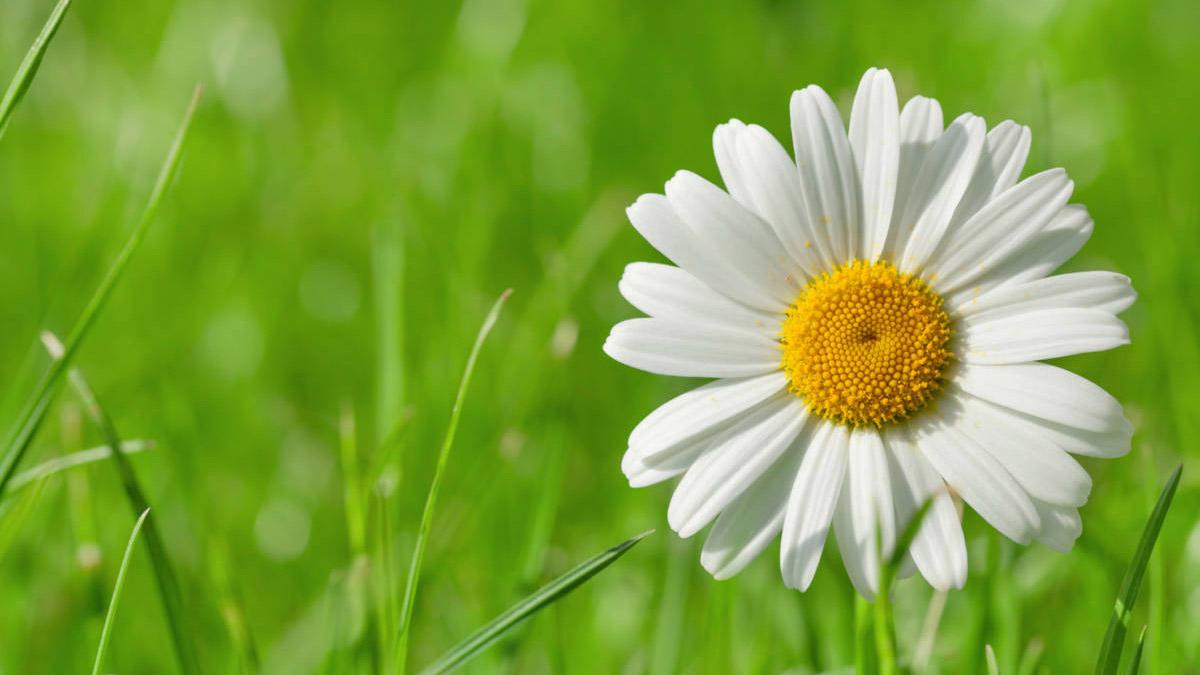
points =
(884, 628)
(387, 266)
(164, 574)
(66, 462)
(1135, 662)
(929, 631)
(547, 595)
(34, 413)
(29, 66)
(1118, 625)
(414, 568)
(110, 615)
(864, 636)
(352, 493)
(989, 657)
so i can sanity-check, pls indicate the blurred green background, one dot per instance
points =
(365, 177)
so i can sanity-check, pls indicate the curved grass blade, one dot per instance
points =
(67, 462)
(164, 574)
(34, 413)
(414, 568)
(29, 66)
(1118, 625)
(106, 632)
(546, 595)
(1135, 663)
(993, 668)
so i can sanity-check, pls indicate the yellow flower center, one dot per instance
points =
(866, 344)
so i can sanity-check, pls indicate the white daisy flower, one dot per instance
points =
(874, 312)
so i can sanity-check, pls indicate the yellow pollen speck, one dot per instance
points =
(866, 344)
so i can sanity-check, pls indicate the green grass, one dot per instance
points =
(106, 631)
(360, 183)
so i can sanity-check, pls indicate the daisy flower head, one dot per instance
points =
(873, 310)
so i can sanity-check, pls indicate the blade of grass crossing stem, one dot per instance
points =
(29, 66)
(34, 413)
(106, 632)
(414, 568)
(546, 595)
(1135, 663)
(1118, 625)
(164, 574)
(885, 630)
(66, 462)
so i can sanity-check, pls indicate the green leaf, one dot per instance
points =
(29, 67)
(543, 597)
(1118, 625)
(106, 632)
(414, 568)
(34, 412)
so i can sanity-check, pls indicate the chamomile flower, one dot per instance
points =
(873, 310)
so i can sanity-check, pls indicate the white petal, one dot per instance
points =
(668, 292)
(920, 126)
(709, 486)
(705, 258)
(1044, 470)
(685, 350)
(1000, 164)
(744, 240)
(999, 228)
(1041, 334)
(828, 179)
(641, 474)
(939, 549)
(937, 189)
(1106, 444)
(811, 504)
(1064, 235)
(1046, 392)
(975, 475)
(875, 141)
(698, 412)
(1039, 256)
(1105, 291)
(752, 520)
(772, 190)
(732, 173)
(1061, 526)
(865, 511)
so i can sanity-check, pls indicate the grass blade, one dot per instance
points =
(29, 66)
(1135, 663)
(414, 568)
(546, 595)
(1118, 625)
(106, 632)
(164, 574)
(34, 413)
(993, 668)
(66, 462)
